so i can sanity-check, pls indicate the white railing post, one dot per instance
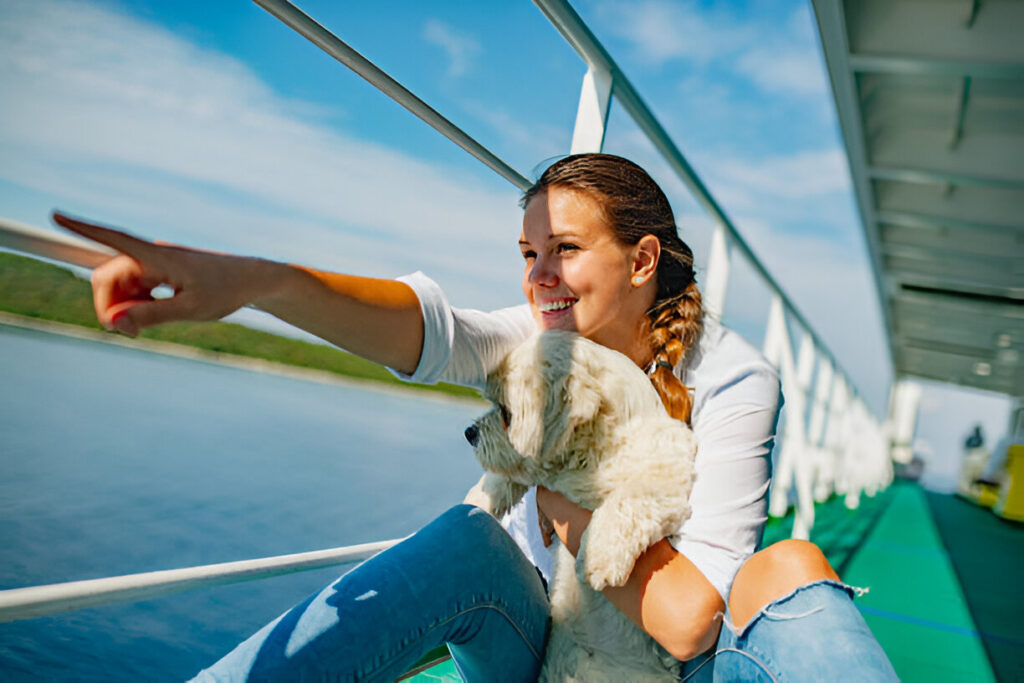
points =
(717, 279)
(779, 352)
(822, 487)
(835, 437)
(592, 113)
(803, 522)
(904, 400)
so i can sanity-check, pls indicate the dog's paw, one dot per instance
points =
(603, 569)
(602, 564)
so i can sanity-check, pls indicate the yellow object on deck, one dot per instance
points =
(1010, 504)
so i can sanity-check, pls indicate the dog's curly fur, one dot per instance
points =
(583, 420)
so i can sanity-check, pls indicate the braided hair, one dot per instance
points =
(634, 206)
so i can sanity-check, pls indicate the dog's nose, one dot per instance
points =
(472, 435)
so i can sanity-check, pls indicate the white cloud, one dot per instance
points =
(791, 69)
(461, 49)
(797, 176)
(110, 113)
(661, 31)
(535, 141)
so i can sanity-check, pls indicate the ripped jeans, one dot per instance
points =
(813, 634)
(463, 581)
(460, 580)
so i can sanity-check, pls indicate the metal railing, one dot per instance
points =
(831, 442)
(39, 601)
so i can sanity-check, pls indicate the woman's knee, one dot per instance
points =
(773, 573)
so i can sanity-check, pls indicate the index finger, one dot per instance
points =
(116, 239)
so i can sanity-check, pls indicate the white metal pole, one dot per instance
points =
(52, 244)
(716, 281)
(592, 113)
(37, 601)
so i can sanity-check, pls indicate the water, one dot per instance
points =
(115, 461)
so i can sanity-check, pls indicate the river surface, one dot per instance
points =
(115, 461)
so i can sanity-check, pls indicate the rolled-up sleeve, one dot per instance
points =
(462, 346)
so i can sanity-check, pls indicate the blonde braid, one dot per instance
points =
(675, 325)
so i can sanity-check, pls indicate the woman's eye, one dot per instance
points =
(529, 254)
(567, 246)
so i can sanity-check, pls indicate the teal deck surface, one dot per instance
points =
(988, 555)
(915, 606)
(943, 577)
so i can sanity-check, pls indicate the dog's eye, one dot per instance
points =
(506, 417)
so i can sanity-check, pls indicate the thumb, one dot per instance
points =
(131, 317)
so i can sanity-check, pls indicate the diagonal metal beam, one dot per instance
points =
(914, 219)
(307, 27)
(909, 174)
(924, 66)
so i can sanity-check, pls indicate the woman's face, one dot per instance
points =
(578, 274)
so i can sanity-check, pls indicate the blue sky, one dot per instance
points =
(212, 124)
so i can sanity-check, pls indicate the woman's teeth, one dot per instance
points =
(555, 306)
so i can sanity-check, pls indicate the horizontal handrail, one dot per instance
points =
(38, 601)
(52, 244)
(313, 31)
(576, 33)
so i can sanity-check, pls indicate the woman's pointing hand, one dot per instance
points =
(206, 285)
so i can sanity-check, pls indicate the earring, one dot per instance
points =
(638, 280)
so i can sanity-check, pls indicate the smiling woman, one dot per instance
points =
(602, 258)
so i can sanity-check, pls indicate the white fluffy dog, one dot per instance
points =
(583, 420)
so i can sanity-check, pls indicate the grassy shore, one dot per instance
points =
(37, 289)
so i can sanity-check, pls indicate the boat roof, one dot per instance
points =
(930, 95)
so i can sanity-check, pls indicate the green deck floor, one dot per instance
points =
(917, 605)
(988, 555)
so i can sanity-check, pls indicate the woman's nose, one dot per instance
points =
(543, 273)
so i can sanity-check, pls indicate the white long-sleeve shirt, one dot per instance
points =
(735, 408)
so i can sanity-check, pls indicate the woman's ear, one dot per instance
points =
(645, 260)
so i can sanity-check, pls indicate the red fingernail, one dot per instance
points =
(118, 321)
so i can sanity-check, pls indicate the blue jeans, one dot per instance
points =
(813, 634)
(462, 580)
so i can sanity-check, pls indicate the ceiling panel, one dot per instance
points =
(930, 95)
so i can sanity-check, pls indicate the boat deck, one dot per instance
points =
(943, 576)
(944, 596)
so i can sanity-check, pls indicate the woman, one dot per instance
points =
(603, 258)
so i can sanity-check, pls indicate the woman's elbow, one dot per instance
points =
(687, 637)
(686, 646)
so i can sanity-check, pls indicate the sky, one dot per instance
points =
(214, 125)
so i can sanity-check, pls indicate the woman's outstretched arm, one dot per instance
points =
(377, 319)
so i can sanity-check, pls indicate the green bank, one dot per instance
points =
(37, 289)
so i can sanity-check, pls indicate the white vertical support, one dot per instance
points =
(592, 114)
(830, 478)
(903, 404)
(822, 487)
(859, 464)
(805, 465)
(717, 280)
(779, 351)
